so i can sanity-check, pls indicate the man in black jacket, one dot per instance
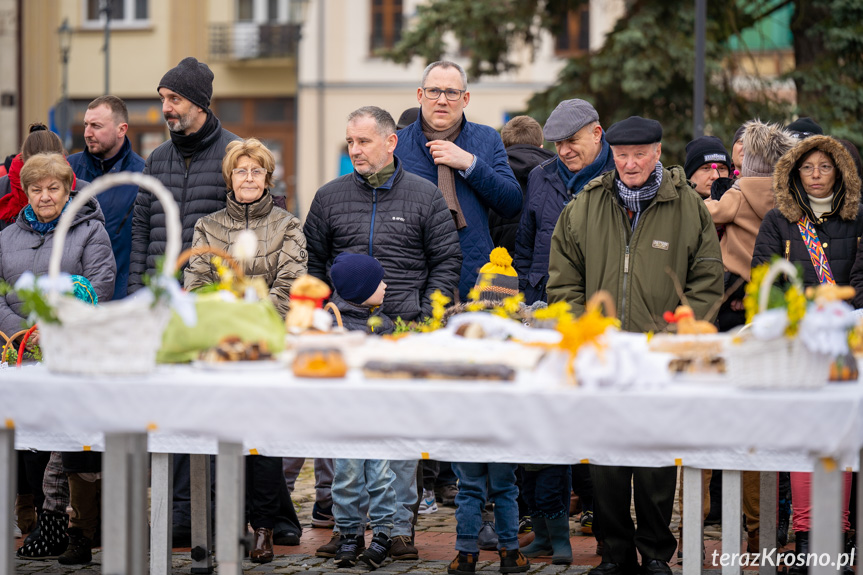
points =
(402, 220)
(189, 165)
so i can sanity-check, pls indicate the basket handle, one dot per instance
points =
(201, 250)
(604, 299)
(776, 268)
(332, 307)
(103, 183)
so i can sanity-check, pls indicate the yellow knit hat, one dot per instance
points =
(500, 262)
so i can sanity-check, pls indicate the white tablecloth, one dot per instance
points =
(699, 424)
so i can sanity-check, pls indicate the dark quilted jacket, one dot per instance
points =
(839, 232)
(522, 159)
(405, 224)
(199, 190)
(356, 317)
(491, 185)
(117, 205)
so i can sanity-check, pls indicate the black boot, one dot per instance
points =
(52, 539)
(801, 549)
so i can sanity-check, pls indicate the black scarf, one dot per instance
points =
(188, 144)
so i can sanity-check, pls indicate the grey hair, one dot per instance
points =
(445, 64)
(383, 120)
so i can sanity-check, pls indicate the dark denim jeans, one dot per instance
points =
(479, 482)
(547, 491)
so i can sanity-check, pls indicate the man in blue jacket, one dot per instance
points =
(467, 161)
(582, 154)
(109, 151)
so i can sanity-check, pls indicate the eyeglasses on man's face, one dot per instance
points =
(244, 173)
(808, 169)
(451, 93)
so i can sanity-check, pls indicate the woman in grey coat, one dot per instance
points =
(26, 245)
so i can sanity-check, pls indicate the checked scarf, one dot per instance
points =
(636, 200)
(816, 251)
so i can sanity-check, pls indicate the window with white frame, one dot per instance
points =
(122, 12)
(267, 11)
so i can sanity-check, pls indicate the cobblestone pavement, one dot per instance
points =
(435, 541)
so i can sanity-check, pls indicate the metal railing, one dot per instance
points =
(248, 41)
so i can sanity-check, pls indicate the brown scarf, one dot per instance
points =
(445, 175)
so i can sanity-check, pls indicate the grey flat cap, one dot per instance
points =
(569, 117)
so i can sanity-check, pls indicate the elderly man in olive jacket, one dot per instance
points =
(621, 234)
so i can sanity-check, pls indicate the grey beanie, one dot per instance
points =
(192, 80)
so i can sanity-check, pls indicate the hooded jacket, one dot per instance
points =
(594, 248)
(405, 223)
(523, 158)
(117, 204)
(490, 186)
(838, 230)
(356, 317)
(86, 252)
(198, 189)
(281, 255)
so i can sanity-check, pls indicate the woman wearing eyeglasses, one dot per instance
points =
(816, 217)
(280, 258)
(817, 224)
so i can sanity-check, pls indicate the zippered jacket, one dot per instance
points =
(280, 257)
(405, 224)
(594, 248)
(198, 189)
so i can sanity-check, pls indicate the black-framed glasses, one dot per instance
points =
(451, 93)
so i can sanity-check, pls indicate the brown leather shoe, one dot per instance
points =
(262, 552)
(753, 541)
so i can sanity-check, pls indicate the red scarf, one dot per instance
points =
(12, 203)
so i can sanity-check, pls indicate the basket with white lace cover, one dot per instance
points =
(116, 337)
(763, 357)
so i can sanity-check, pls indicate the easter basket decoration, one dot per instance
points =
(116, 337)
(769, 353)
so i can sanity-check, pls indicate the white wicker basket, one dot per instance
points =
(114, 338)
(781, 363)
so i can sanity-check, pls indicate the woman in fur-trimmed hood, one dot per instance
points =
(817, 211)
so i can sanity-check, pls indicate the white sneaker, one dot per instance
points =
(428, 503)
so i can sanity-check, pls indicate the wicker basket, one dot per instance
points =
(781, 363)
(114, 338)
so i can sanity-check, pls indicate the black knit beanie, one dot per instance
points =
(192, 80)
(705, 150)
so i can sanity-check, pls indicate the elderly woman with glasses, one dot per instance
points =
(280, 258)
(816, 223)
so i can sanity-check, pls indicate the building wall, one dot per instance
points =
(9, 98)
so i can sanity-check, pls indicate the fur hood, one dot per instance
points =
(763, 145)
(785, 199)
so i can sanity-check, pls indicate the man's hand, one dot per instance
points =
(448, 154)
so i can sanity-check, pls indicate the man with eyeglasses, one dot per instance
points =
(467, 161)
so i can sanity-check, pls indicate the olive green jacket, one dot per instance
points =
(593, 247)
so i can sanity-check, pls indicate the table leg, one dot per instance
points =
(202, 514)
(732, 530)
(693, 520)
(161, 512)
(768, 495)
(124, 500)
(230, 495)
(825, 535)
(8, 489)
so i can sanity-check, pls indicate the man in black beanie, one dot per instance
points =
(621, 234)
(706, 161)
(803, 127)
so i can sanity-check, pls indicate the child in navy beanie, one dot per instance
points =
(359, 292)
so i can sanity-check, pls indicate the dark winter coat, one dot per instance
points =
(491, 185)
(86, 252)
(356, 317)
(199, 190)
(546, 198)
(522, 159)
(405, 224)
(117, 205)
(838, 231)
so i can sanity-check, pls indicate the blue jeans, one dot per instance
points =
(352, 478)
(547, 491)
(471, 498)
(405, 485)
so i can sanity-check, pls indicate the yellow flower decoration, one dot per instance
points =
(586, 329)
(556, 311)
(374, 321)
(750, 298)
(796, 303)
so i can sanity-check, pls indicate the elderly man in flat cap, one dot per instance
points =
(621, 234)
(582, 154)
